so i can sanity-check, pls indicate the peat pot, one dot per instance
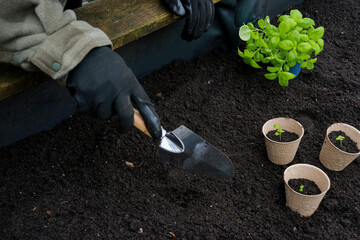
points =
(282, 153)
(334, 158)
(303, 204)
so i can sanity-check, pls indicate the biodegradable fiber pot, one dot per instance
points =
(303, 204)
(332, 157)
(282, 153)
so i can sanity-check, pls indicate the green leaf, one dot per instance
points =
(291, 64)
(265, 60)
(267, 50)
(273, 69)
(247, 60)
(283, 82)
(294, 36)
(291, 56)
(254, 35)
(286, 68)
(271, 76)
(309, 65)
(276, 126)
(276, 61)
(291, 22)
(310, 30)
(304, 37)
(287, 75)
(274, 42)
(303, 64)
(321, 43)
(306, 23)
(296, 14)
(267, 19)
(298, 28)
(284, 78)
(303, 56)
(283, 17)
(317, 33)
(282, 54)
(251, 26)
(304, 47)
(317, 49)
(270, 30)
(244, 33)
(258, 56)
(241, 54)
(313, 44)
(313, 60)
(254, 64)
(286, 44)
(284, 26)
(248, 53)
(251, 46)
(262, 43)
(261, 23)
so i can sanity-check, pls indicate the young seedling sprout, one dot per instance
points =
(279, 130)
(301, 188)
(340, 138)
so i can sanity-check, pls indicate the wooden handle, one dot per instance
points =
(139, 123)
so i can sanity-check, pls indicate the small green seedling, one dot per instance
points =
(301, 188)
(340, 138)
(279, 130)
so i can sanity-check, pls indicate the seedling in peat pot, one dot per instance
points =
(301, 188)
(279, 130)
(340, 138)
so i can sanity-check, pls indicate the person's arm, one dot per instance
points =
(38, 34)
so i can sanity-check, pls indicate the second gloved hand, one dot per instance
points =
(103, 85)
(199, 16)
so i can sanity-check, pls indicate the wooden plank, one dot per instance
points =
(126, 21)
(122, 20)
(14, 80)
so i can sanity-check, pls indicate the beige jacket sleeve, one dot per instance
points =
(39, 35)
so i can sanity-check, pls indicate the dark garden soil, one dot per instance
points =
(304, 186)
(347, 145)
(72, 182)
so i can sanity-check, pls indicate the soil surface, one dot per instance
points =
(284, 137)
(347, 145)
(74, 182)
(304, 186)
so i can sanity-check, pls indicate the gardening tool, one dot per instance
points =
(184, 149)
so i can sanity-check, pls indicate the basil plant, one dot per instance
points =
(295, 40)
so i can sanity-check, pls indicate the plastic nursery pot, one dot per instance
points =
(295, 69)
(334, 158)
(282, 153)
(303, 204)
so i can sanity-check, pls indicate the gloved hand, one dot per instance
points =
(199, 16)
(103, 85)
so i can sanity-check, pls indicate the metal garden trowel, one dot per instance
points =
(184, 149)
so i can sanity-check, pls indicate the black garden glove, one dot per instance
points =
(199, 16)
(103, 85)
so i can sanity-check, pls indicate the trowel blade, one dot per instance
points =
(198, 157)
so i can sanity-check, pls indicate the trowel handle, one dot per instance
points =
(139, 123)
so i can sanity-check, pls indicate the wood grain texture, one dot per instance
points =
(122, 20)
(14, 80)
